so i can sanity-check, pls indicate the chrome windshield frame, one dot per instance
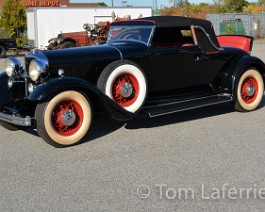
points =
(147, 42)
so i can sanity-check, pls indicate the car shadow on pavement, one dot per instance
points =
(185, 116)
(102, 125)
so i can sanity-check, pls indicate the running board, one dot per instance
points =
(173, 107)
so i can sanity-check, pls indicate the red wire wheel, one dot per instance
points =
(67, 117)
(125, 89)
(125, 83)
(250, 89)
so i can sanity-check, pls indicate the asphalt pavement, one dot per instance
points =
(209, 159)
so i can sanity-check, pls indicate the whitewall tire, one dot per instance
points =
(125, 83)
(250, 90)
(65, 119)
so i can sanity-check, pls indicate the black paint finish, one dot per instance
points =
(175, 73)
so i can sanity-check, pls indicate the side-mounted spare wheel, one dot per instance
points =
(250, 90)
(125, 83)
(64, 119)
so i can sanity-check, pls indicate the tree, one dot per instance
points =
(235, 6)
(14, 19)
(180, 3)
(102, 4)
(229, 6)
(218, 6)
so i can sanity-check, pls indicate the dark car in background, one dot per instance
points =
(92, 35)
(7, 44)
(148, 67)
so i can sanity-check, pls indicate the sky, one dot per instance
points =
(118, 3)
(141, 3)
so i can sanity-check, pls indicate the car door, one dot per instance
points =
(174, 68)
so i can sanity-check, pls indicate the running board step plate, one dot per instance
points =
(173, 107)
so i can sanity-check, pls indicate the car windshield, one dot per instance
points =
(138, 33)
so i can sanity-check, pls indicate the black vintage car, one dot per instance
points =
(148, 67)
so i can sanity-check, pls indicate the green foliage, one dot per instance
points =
(3, 33)
(102, 4)
(180, 3)
(14, 20)
(229, 6)
(218, 6)
(235, 6)
(190, 10)
(229, 29)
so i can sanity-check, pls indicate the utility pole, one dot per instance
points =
(155, 7)
(111, 3)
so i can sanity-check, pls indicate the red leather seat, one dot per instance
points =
(240, 42)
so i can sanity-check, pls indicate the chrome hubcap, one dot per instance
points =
(126, 90)
(68, 118)
(250, 90)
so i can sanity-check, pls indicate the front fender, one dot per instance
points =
(236, 69)
(57, 85)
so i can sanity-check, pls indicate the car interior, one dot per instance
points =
(172, 37)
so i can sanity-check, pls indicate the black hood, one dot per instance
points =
(76, 62)
(86, 62)
(82, 55)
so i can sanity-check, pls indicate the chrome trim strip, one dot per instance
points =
(191, 108)
(187, 100)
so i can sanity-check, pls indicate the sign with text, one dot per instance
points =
(41, 3)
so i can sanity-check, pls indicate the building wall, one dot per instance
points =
(51, 3)
(253, 23)
(56, 3)
(47, 23)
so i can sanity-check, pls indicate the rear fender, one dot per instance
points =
(232, 76)
(57, 85)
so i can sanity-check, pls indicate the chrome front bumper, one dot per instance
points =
(12, 119)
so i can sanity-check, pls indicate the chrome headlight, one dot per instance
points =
(37, 68)
(13, 66)
(31, 87)
(10, 82)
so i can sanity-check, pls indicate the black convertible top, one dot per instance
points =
(167, 21)
(175, 21)
(179, 21)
